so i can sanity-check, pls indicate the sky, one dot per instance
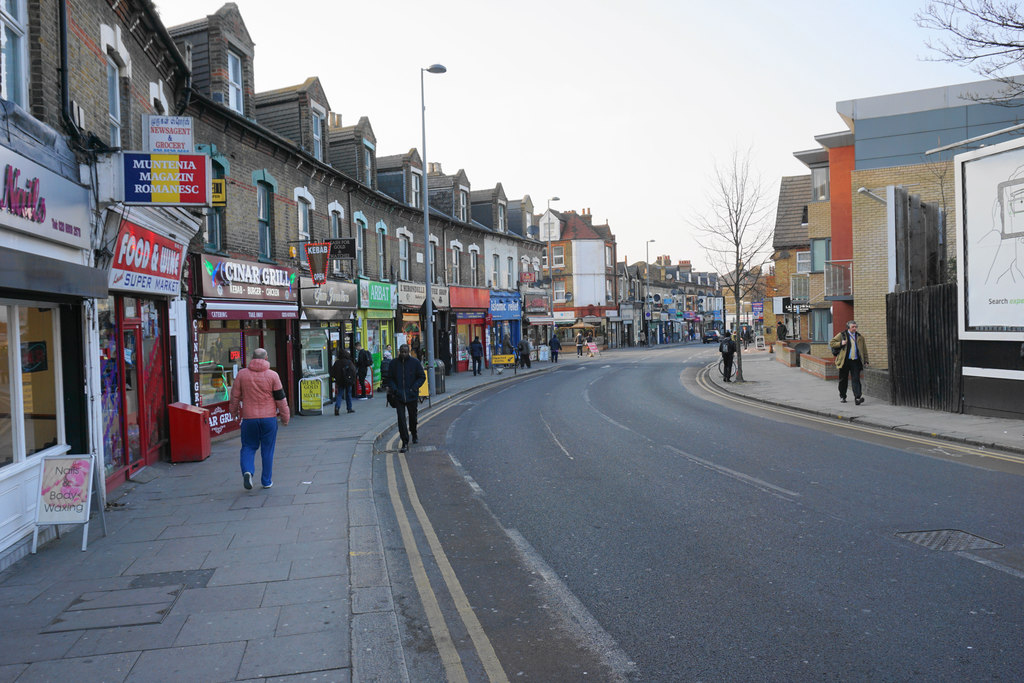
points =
(620, 107)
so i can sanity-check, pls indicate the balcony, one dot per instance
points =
(839, 280)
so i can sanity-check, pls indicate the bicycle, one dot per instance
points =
(721, 370)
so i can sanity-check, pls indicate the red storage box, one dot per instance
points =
(190, 432)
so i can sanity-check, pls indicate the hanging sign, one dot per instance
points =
(318, 254)
(166, 179)
(167, 134)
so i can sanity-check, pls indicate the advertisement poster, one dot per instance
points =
(65, 487)
(992, 240)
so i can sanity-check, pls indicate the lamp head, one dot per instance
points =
(436, 69)
(555, 199)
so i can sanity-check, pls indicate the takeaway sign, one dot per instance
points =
(166, 179)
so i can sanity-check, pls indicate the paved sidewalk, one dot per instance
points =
(769, 381)
(199, 579)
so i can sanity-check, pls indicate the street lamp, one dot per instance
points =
(434, 69)
(647, 299)
(550, 259)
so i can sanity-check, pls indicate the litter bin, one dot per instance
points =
(190, 432)
(438, 376)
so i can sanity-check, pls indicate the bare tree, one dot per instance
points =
(735, 231)
(985, 35)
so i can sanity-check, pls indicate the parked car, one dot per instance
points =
(710, 335)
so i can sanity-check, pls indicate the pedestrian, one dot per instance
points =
(579, 344)
(555, 346)
(851, 353)
(385, 362)
(524, 353)
(476, 352)
(727, 347)
(780, 330)
(363, 362)
(257, 399)
(405, 378)
(344, 374)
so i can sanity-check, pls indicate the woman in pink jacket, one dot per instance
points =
(257, 398)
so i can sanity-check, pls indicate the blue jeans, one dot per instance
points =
(259, 434)
(346, 392)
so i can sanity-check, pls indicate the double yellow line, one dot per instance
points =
(435, 617)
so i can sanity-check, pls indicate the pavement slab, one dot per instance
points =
(299, 591)
(303, 653)
(247, 574)
(113, 667)
(230, 626)
(128, 638)
(311, 617)
(207, 663)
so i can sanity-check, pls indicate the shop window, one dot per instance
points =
(31, 409)
(220, 358)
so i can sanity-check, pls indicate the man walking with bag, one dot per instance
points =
(258, 398)
(343, 372)
(727, 347)
(404, 380)
(851, 352)
(476, 352)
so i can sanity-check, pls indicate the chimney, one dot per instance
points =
(333, 120)
(434, 168)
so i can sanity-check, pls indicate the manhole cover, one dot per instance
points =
(950, 540)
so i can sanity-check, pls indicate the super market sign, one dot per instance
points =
(166, 179)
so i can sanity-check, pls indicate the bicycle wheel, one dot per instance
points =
(721, 370)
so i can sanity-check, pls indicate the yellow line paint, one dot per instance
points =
(438, 628)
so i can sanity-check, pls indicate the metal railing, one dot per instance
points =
(839, 278)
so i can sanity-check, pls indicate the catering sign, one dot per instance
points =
(37, 201)
(167, 179)
(145, 262)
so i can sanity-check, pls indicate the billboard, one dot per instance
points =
(990, 244)
(166, 179)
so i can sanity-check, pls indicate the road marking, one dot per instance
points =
(435, 618)
(998, 566)
(548, 427)
(709, 386)
(746, 478)
(484, 649)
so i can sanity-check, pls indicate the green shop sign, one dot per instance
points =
(375, 294)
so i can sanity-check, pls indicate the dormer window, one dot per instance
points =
(235, 99)
(318, 135)
(463, 205)
(501, 218)
(416, 200)
(368, 166)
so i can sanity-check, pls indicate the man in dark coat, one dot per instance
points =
(727, 347)
(344, 373)
(476, 352)
(524, 353)
(405, 376)
(556, 346)
(363, 363)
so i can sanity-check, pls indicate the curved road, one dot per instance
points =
(610, 517)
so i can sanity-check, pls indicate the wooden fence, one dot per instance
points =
(924, 352)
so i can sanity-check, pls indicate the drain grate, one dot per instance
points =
(949, 540)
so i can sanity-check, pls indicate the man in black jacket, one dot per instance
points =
(363, 362)
(727, 347)
(405, 376)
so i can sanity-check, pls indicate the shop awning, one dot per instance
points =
(540, 319)
(250, 310)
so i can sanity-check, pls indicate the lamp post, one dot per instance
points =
(647, 299)
(434, 69)
(550, 260)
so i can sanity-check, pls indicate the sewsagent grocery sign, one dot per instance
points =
(166, 179)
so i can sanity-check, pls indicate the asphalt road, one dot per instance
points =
(607, 521)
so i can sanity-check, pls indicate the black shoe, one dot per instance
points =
(842, 399)
(351, 410)
(415, 439)
(404, 448)
(247, 479)
(337, 411)
(858, 400)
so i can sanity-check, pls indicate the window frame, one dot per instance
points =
(361, 226)
(821, 325)
(820, 189)
(803, 261)
(236, 88)
(317, 120)
(265, 218)
(368, 165)
(558, 256)
(336, 221)
(474, 268)
(304, 211)
(496, 277)
(456, 264)
(510, 264)
(404, 249)
(432, 251)
(464, 205)
(502, 218)
(559, 291)
(17, 24)
(821, 252)
(114, 101)
(382, 253)
(416, 187)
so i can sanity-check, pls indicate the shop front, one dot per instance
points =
(135, 359)
(327, 322)
(412, 311)
(506, 321)
(240, 306)
(469, 306)
(376, 322)
(47, 294)
(540, 324)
